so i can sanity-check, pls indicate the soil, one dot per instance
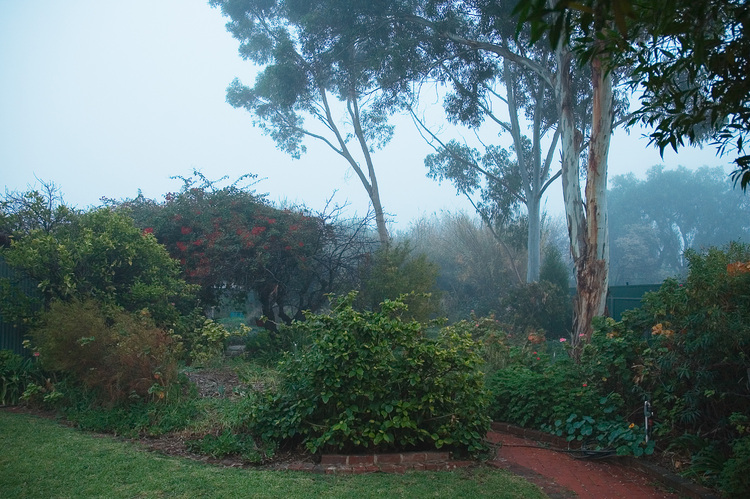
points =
(215, 382)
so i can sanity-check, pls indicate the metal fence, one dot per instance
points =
(622, 298)
(12, 335)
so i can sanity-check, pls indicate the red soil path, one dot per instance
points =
(560, 475)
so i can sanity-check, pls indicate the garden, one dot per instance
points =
(343, 350)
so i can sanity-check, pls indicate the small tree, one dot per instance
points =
(305, 70)
(232, 242)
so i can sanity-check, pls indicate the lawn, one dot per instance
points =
(41, 458)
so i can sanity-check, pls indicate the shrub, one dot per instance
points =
(735, 475)
(533, 392)
(118, 354)
(16, 374)
(537, 307)
(373, 380)
(395, 272)
(687, 350)
(698, 351)
(99, 254)
(205, 344)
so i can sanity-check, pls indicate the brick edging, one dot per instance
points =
(685, 488)
(385, 463)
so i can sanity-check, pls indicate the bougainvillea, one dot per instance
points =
(230, 241)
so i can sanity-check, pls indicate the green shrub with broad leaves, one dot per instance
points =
(371, 380)
(687, 350)
(205, 343)
(533, 391)
(98, 254)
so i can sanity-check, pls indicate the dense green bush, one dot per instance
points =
(735, 474)
(118, 354)
(16, 374)
(101, 254)
(373, 380)
(695, 360)
(687, 350)
(533, 391)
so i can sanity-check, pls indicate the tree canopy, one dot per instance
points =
(319, 61)
(231, 241)
(689, 63)
(100, 254)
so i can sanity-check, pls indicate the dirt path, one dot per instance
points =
(560, 475)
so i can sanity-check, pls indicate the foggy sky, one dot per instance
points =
(106, 97)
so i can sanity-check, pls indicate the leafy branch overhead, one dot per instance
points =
(688, 60)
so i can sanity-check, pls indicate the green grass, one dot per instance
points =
(40, 458)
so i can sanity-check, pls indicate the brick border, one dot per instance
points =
(347, 464)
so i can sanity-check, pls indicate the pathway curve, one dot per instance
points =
(560, 475)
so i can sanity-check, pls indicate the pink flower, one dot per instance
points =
(36, 354)
(148, 230)
(538, 358)
(585, 385)
(563, 340)
(581, 335)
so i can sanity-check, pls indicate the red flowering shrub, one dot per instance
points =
(230, 238)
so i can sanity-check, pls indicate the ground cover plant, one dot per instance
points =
(43, 459)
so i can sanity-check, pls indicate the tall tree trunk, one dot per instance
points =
(372, 187)
(379, 214)
(593, 271)
(587, 223)
(534, 239)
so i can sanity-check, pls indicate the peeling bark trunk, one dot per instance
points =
(587, 223)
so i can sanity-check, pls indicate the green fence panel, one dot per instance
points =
(622, 298)
(12, 335)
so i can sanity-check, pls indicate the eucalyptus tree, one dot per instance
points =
(480, 26)
(689, 62)
(501, 96)
(320, 79)
(361, 46)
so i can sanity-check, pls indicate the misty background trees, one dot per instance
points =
(656, 219)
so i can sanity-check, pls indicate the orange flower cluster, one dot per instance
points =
(738, 268)
(659, 329)
(535, 338)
